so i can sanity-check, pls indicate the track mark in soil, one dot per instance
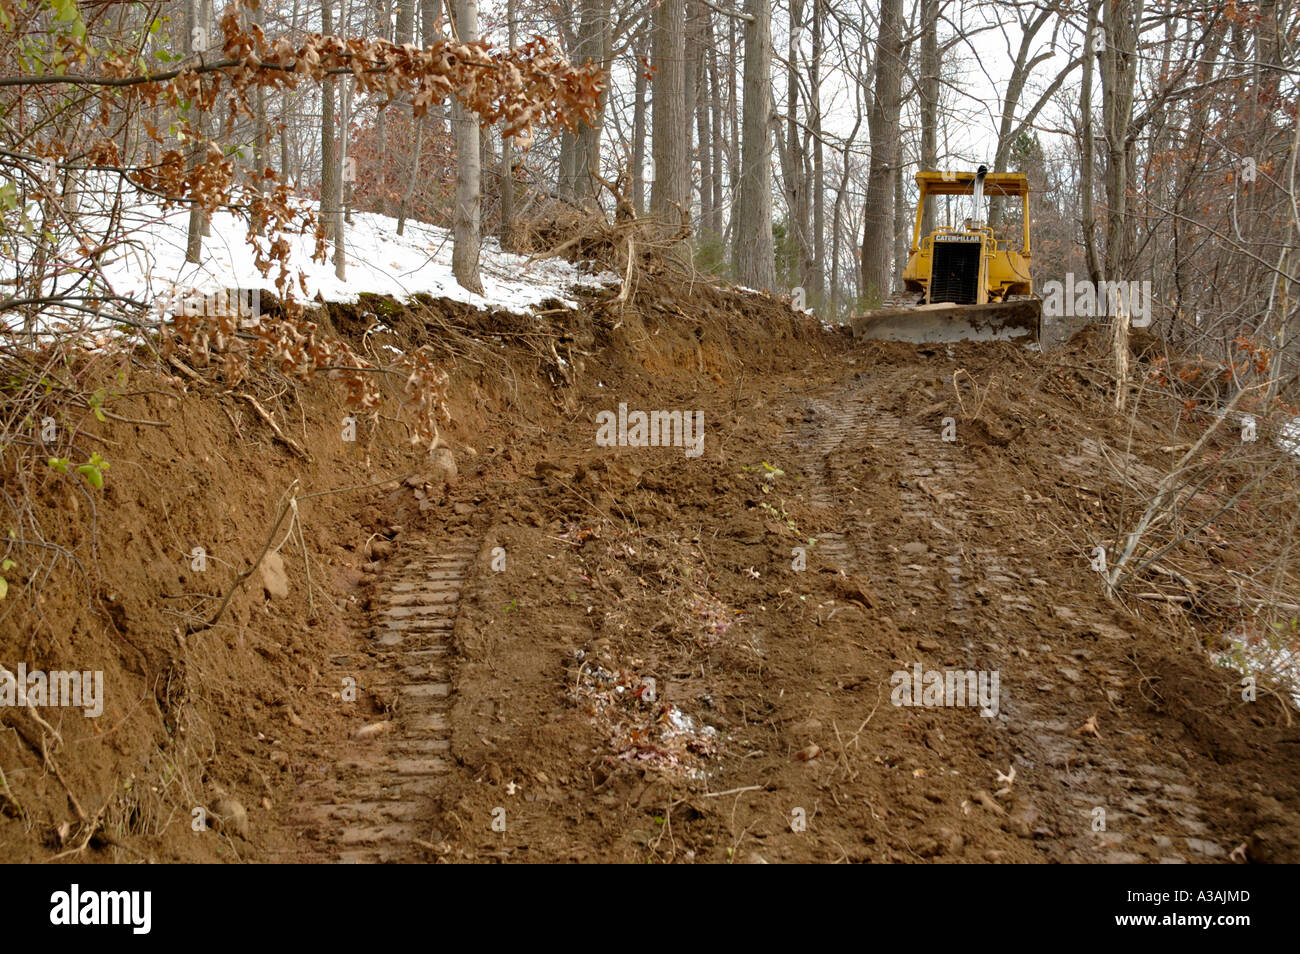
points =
(373, 807)
(1066, 776)
(984, 594)
(827, 427)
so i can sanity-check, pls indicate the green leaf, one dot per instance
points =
(7, 565)
(4, 587)
(94, 476)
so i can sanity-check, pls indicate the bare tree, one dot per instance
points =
(878, 210)
(595, 42)
(755, 264)
(817, 273)
(330, 200)
(343, 178)
(929, 89)
(198, 32)
(508, 153)
(641, 48)
(466, 238)
(670, 195)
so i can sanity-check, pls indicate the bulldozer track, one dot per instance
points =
(1066, 777)
(370, 805)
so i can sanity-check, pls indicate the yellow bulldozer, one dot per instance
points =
(963, 282)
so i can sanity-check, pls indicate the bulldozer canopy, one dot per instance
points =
(963, 183)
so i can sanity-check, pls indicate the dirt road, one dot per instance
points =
(661, 657)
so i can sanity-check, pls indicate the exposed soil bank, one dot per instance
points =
(655, 656)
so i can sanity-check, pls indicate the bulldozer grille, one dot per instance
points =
(955, 273)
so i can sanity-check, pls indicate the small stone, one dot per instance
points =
(229, 816)
(274, 580)
(809, 752)
(442, 465)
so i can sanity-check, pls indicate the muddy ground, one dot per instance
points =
(563, 651)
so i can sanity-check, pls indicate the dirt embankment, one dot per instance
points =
(575, 651)
(223, 722)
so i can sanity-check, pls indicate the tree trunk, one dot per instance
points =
(817, 284)
(637, 173)
(700, 100)
(836, 213)
(465, 248)
(430, 14)
(1087, 146)
(733, 148)
(670, 194)
(342, 182)
(594, 43)
(792, 159)
(208, 19)
(929, 99)
(197, 40)
(261, 136)
(690, 76)
(410, 186)
(878, 210)
(507, 153)
(1118, 78)
(755, 266)
(329, 200)
(902, 231)
(718, 140)
(405, 30)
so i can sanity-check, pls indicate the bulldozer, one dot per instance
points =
(962, 283)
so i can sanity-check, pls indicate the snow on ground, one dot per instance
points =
(378, 261)
(150, 264)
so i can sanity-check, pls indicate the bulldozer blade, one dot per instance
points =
(944, 322)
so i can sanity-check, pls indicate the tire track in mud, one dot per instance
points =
(986, 591)
(372, 809)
